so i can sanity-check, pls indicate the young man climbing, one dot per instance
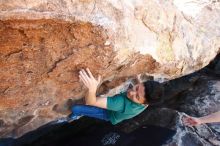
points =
(119, 107)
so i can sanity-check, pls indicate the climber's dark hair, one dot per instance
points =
(153, 92)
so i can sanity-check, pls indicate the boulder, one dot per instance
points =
(43, 45)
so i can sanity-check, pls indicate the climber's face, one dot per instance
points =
(137, 93)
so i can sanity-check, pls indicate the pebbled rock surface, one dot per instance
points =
(43, 44)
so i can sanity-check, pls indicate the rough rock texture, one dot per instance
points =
(197, 94)
(43, 44)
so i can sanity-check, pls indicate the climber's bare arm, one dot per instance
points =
(193, 121)
(212, 118)
(92, 85)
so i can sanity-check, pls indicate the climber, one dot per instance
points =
(193, 121)
(119, 107)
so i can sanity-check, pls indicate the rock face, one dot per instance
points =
(43, 44)
(196, 94)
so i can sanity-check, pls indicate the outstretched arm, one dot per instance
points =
(92, 84)
(192, 121)
(212, 118)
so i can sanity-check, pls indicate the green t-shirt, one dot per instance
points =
(120, 108)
